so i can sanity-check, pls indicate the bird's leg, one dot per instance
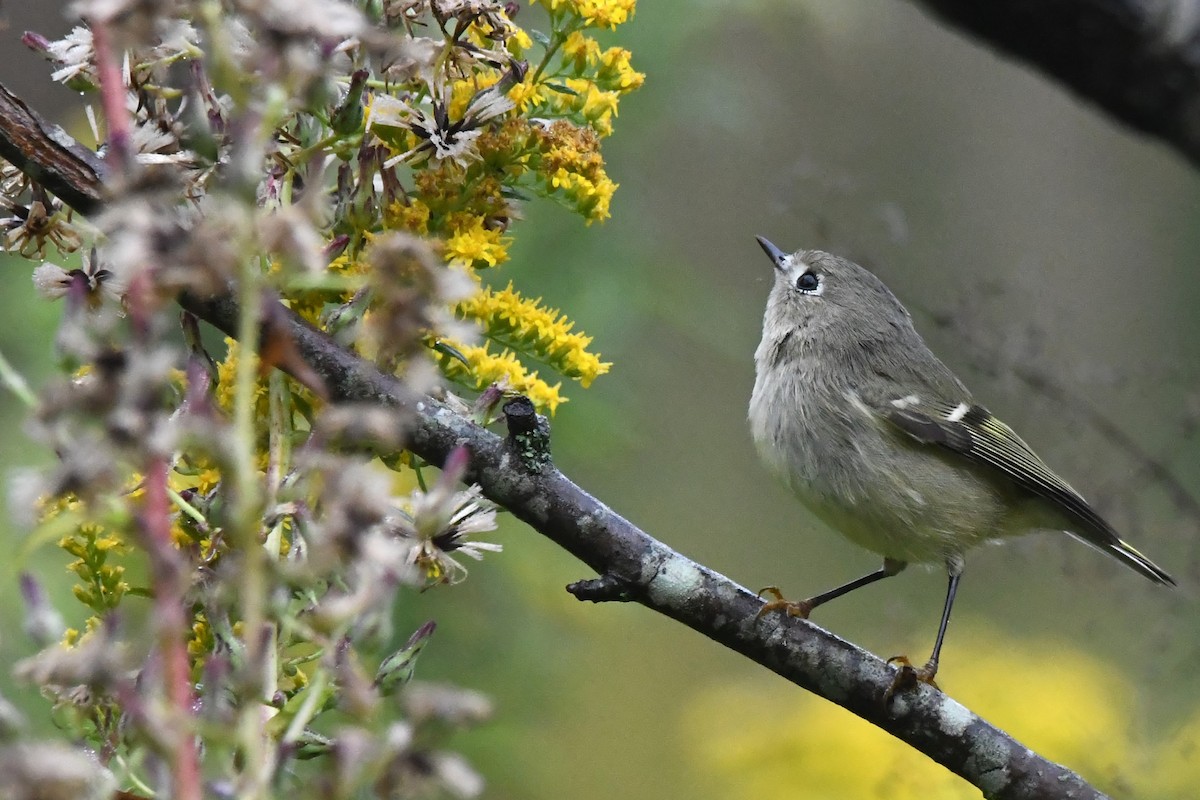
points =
(803, 608)
(908, 676)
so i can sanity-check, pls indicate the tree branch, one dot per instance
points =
(516, 473)
(1137, 60)
(49, 156)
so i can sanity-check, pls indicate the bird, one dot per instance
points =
(882, 442)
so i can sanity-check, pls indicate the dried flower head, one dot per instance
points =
(92, 280)
(442, 521)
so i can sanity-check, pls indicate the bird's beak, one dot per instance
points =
(774, 253)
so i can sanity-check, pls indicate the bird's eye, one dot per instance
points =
(808, 282)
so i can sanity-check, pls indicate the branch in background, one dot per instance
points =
(516, 473)
(1138, 60)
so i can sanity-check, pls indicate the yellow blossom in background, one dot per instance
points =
(197, 472)
(1173, 773)
(227, 379)
(486, 368)
(201, 641)
(474, 245)
(537, 331)
(180, 537)
(101, 583)
(596, 13)
(771, 739)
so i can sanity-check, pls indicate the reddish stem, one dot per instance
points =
(112, 98)
(171, 621)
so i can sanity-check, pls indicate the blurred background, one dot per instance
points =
(1048, 256)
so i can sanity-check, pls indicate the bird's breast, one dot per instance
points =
(871, 483)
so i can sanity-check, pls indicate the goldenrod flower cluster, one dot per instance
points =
(595, 13)
(226, 373)
(503, 368)
(493, 137)
(528, 327)
(473, 245)
(570, 164)
(101, 583)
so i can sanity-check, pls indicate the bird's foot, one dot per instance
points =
(908, 676)
(801, 609)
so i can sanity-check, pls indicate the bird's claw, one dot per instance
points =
(908, 676)
(799, 609)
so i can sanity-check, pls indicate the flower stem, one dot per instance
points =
(16, 383)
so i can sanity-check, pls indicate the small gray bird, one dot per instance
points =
(879, 439)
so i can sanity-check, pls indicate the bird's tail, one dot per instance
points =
(1128, 555)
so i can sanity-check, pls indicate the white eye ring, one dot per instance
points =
(810, 282)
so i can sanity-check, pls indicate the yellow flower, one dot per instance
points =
(580, 51)
(575, 148)
(597, 106)
(597, 204)
(102, 584)
(526, 94)
(590, 198)
(109, 542)
(617, 73)
(597, 13)
(519, 43)
(487, 368)
(412, 216)
(473, 245)
(227, 380)
(543, 333)
(195, 471)
(202, 641)
(605, 13)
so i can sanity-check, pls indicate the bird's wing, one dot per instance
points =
(972, 432)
